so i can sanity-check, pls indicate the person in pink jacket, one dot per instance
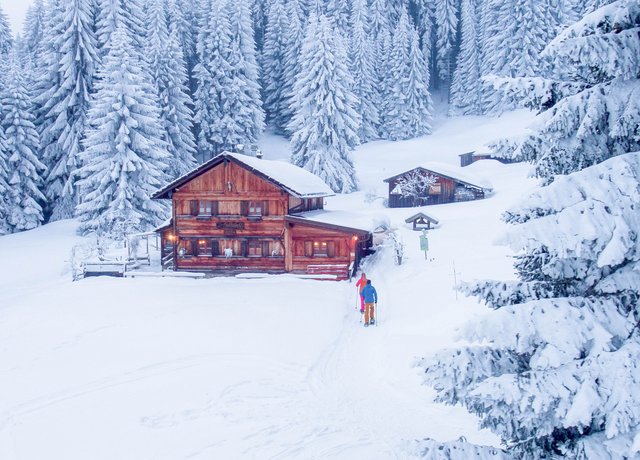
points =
(362, 282)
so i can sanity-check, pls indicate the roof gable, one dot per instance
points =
(450, 172)
(292, 179)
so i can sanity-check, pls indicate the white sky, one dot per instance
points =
(15, 10)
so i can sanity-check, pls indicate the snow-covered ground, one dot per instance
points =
(273, 368)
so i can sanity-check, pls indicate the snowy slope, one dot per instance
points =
(274, 368)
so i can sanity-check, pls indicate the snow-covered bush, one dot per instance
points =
(430, 449)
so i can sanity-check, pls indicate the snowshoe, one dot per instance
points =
(372, 322)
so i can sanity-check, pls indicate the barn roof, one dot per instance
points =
(451, 172)
(293, 179)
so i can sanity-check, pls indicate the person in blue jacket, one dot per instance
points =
(370, 297)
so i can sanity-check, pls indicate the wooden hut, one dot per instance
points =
(237, 213)
(448, 184)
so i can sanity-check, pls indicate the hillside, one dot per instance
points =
(272, 368)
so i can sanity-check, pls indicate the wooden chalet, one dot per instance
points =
(237, 213)
(451, 185)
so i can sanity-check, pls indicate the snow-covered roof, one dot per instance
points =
(295, 180)
(450, 171)
(298, 180)
(347, 220)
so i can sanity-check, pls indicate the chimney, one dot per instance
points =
(258, 153)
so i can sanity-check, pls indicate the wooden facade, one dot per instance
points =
(446, 189)
(229, 218)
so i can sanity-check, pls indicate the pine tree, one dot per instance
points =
(273, 66)
(6, 37)
(125, 156)
(549, 370)
(325, 123)
(183, 18)
(4, 186)
(466, 88)
(407, 106)
(169, 77)
(64, 105)
(291, 62)
(24, 169)
(361, 60)
(34, 24)
(212, 75)
(446, 21)
(228, 104)
(243, 98)
(112, 13)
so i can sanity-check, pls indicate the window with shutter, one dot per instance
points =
(215, 248)
(244, 248)
(265, 249)
(214, 208)
(244, 208)
(255, 248)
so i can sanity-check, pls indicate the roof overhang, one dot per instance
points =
(325, 225)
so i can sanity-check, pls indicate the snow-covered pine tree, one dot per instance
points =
(242, 100)
(273, 58)
(212, 75)
(6, 37)
(24, 169)
(446, 22)
(325, 123)
(361, 64)
(4, 186)
(338, 12)
(228, 104)
(510, 50)
(125, 156)
(169, 76)
(551, 370)
(64, 104)
(111, 13)
(182, 17)
(600, 117)
(33, 28)
(466, 87)
(407, 105)
(291, 66)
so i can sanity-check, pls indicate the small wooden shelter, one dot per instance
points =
(449, 184)
(421, 221)
(237, 213)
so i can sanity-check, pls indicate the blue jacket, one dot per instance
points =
(369, 293)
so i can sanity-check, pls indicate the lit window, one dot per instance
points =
(205, 248)
(320, 248)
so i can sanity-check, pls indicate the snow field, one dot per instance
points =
(274, 368)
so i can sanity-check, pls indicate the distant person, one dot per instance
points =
(370, 297)
(362, 282)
